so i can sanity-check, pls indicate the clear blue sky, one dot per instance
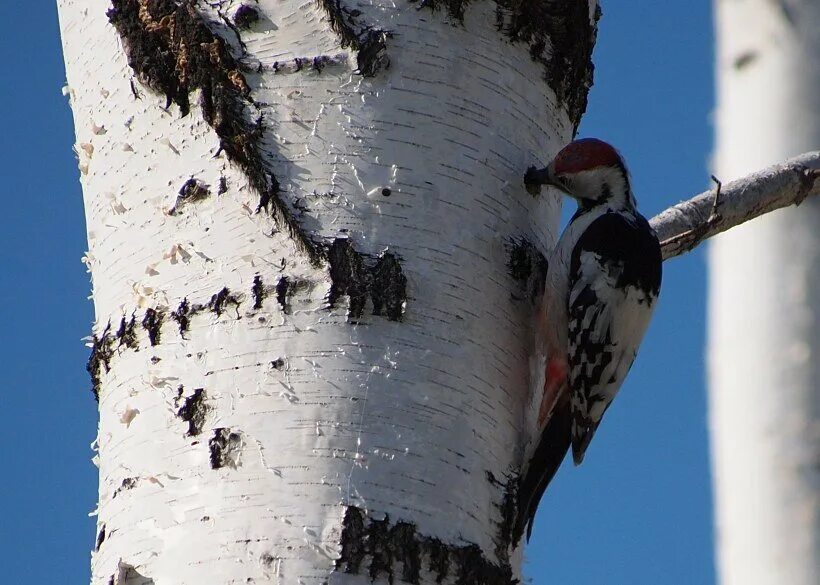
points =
(637, 511)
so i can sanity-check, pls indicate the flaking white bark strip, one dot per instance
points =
(686, 225)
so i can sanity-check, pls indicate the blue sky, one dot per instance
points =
(637, 511)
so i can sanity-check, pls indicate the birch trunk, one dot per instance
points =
(764, 333)
(310, 352)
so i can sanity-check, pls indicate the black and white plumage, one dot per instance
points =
(614, 281)
(603, 280)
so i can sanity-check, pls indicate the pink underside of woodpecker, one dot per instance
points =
(555, 383)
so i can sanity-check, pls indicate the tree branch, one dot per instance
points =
(687, 224)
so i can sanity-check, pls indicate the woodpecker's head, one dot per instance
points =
(590, 171)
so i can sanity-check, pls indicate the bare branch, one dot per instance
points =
(685, 225)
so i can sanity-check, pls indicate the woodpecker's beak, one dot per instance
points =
(534, 178)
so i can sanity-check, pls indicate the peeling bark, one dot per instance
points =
(172, 50)
(129, 575)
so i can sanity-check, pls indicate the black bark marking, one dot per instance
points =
(194, 412)
(220, 301)
(407, 551)
(217, 304)
(384, 281)
(245, 16)
(387, 545)
(182, 315)
(454, 8)
(225, 446)
(152, 323)
(507, 509)
(258, 291)
(745, 59)
(127, 484)
(286, 288)
(560, 37)
(369, 43)
(223, 186)
(100, 538)
(566, 29)
(320, 63)
(104, 346)
(529, 267)
(379, 546)
(348, 277)
(352, 542)
(439, 558)
(102, 350)
(388, 287)
(172, 50)
(315, 63)
(127, 333)
(191, 191)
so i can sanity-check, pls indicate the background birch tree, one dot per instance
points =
(310, 349)
(764, 302)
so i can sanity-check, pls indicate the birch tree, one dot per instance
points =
(305, 223)
(764, 301)
(315, 266)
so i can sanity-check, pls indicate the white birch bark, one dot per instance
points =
(764, 302)
(229, 452)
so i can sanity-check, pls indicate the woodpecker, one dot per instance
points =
(603, 280)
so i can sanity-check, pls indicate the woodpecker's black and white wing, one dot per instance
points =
(615, 278)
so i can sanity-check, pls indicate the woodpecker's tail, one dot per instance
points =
(582, 432)
(547, 457)
(580, 444)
